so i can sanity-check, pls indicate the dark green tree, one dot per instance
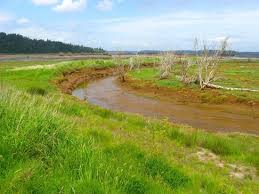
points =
(15, 43)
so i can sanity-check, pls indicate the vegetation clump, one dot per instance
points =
(172, 176)
(37, 91)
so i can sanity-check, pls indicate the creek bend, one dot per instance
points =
(107, 93)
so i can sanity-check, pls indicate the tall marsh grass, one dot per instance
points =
(41, 153)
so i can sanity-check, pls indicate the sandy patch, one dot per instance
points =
(51, 66)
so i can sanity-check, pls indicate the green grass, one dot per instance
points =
(41, 78)
(52, 143)
(152, 75)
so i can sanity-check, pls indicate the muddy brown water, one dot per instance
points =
(224, 118)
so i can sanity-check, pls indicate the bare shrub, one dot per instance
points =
(167, 62)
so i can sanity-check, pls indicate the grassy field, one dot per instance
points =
(232, 73)
(53, 143)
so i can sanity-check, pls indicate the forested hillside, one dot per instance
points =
(15, 43)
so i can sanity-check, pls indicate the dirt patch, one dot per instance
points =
(235, 171)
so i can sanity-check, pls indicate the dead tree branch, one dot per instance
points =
(229, 88)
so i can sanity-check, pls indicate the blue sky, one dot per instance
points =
(135, 24)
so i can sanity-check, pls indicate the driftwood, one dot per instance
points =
(214, 86)
(228, 88)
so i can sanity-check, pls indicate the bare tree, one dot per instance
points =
(135, 62)
(208, 63)
(208, 66)
(167, 62)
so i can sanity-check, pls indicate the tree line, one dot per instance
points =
(15, 44)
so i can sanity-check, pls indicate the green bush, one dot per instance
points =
(189, 139)
(220, 146)
(135, 185)
(37, 91)
(155, 166)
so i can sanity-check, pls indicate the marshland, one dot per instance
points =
(52, 140)
(126, 118)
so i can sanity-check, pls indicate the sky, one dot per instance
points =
(135, 24)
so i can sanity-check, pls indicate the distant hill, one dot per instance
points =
(191, 52)
(15, 44)
(248, 54)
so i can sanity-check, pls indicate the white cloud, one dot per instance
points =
(5, 18)
(70, 5)
(43, 33)
(63, 5)
(23, 21)
(177, 30)
(166, 31)
(169, 23)
(105, 5)
(45, 2)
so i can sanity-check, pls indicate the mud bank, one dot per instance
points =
(73, 79)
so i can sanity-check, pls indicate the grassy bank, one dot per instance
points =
(51, 143)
